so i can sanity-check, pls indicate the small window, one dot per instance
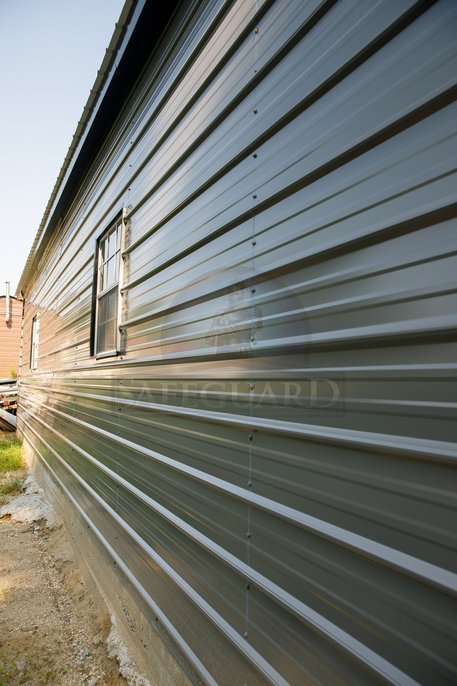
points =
(106, 337)
(35, 341)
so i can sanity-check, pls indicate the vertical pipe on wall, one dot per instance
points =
(7, 303)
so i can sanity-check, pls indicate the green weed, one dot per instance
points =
(10, 486)
(11, 456)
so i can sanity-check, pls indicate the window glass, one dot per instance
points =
(107, 322)
(103, 251)
(112, 243)
(109, 277)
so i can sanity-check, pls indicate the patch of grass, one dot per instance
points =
(11, 457)
(32, 666)
(5, 670)
(10, 486)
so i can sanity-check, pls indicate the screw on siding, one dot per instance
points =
(254, 196)
(255, 111)
(252, 386)
(250, 437)
(252, 290)
(245, 634)
(248, 535)
(254, 242)
(256, 30)
(247, 587)
(255, 155)
(249, 484)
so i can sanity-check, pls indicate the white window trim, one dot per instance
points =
(34, 342)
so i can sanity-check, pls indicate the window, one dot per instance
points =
(107, 291)
(34, 342)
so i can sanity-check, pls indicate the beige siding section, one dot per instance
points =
(10, 337)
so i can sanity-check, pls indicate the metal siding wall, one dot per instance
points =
(272, 460)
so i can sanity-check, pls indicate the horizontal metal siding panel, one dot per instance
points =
(148, 571)
(114, 497)
(273, 458)
(278, 98)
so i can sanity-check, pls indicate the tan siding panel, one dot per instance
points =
(10, 337)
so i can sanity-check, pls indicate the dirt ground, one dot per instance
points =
(51, 631)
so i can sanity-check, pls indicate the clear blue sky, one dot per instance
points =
(50, 51)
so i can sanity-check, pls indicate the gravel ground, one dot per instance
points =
(51, 631)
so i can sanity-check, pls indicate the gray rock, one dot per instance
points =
(81, 655)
